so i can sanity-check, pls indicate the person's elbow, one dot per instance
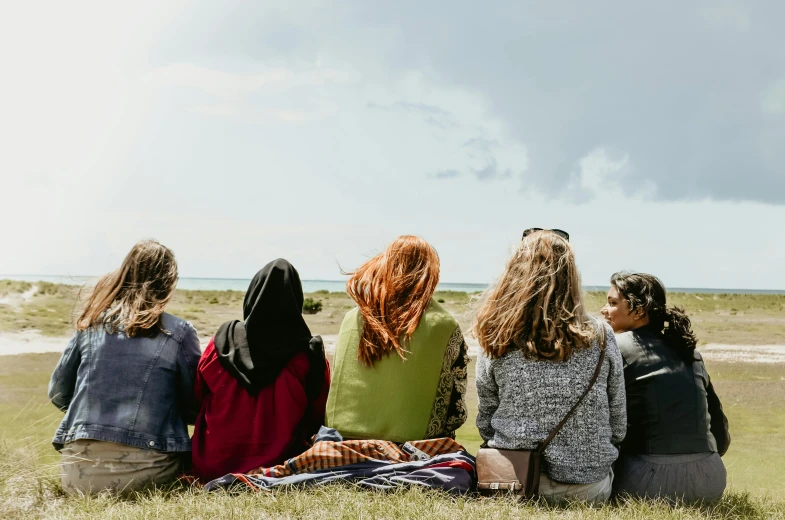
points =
(618, 436)
(190, 416)
(57, 398)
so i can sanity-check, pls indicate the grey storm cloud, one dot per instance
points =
(693, 93)
(432, 115)
(445, 174)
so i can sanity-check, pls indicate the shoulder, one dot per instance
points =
(437, 316)
(484, 362)
(512, 358)
(627, 342)
(177, 327)
(352, 319)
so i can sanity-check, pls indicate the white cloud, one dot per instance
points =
(600, 173)
(234, 86)
(726, 14)
(773, 99)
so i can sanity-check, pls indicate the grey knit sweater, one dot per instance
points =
(521, 400)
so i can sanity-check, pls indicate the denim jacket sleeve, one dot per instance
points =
(63, 382)
(188, 356)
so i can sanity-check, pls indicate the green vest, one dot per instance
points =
(394, 400)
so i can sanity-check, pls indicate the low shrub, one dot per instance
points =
(311, 306)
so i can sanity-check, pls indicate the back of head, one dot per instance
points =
(273, 306)
(392, 290)
(647, 293)
(537, 305)
(133, 297)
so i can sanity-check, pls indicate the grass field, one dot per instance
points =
(753, 396)
(717, 318)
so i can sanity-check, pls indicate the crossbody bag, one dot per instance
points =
(518, 471)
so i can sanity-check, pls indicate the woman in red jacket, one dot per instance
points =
(262, 383)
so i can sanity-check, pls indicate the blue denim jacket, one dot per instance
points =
(133, 391)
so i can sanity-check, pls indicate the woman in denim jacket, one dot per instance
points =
(125, 381)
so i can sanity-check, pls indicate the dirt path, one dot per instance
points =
(31, 341)
(16, 299)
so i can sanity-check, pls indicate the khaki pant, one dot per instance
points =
(89, 466)
(562, 493)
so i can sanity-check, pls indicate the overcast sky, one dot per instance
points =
(320, 130)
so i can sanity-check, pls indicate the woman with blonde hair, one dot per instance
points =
(125, 381)
(400, 362)
(539, 353)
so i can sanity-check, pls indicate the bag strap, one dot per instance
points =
(544, 444)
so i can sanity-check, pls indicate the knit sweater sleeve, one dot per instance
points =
(487, 395)
(617, 397)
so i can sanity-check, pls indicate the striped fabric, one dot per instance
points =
(332, 454)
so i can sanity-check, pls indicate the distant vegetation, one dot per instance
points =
(311, 306)
(752, 319)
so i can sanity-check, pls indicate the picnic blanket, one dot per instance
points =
(451, 472)
(369, 463)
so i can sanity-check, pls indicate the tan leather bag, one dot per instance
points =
(518, 471)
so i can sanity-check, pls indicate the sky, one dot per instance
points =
(319, 131)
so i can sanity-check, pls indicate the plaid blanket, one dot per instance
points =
(333, 454)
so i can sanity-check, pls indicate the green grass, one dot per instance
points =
(753, 396)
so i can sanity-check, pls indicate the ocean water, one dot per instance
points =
(309, 286)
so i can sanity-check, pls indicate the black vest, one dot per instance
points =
(671, 405)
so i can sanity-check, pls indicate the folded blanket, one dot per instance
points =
(333, 454)
(451, 472)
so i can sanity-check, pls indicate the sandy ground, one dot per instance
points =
(31, 341)
(16, 299)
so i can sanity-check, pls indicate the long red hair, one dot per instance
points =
(392, 291)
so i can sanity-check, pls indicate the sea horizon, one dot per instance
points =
(311, 286)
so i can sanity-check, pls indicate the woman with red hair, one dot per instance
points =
(400, 362)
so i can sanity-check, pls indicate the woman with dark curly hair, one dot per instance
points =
(676, 430)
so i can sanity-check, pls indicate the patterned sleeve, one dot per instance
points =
(456, 412)
(617, 396)
(487, 395)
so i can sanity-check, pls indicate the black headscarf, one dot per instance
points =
(256, 351)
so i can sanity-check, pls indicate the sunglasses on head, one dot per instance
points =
(560, 232)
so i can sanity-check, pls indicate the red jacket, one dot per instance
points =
(236, 432)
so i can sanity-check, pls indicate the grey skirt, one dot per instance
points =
(692, 477)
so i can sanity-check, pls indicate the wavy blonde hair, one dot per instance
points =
(392, 290)
(133, 297)
(537, 305)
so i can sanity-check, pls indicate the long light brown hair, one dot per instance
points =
(133, 297)
(392, 291)
(537, 305)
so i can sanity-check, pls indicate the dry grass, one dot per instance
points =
(717, 318)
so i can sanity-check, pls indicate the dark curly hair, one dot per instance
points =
(646, 292)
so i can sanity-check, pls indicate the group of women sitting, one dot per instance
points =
(133, 376)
